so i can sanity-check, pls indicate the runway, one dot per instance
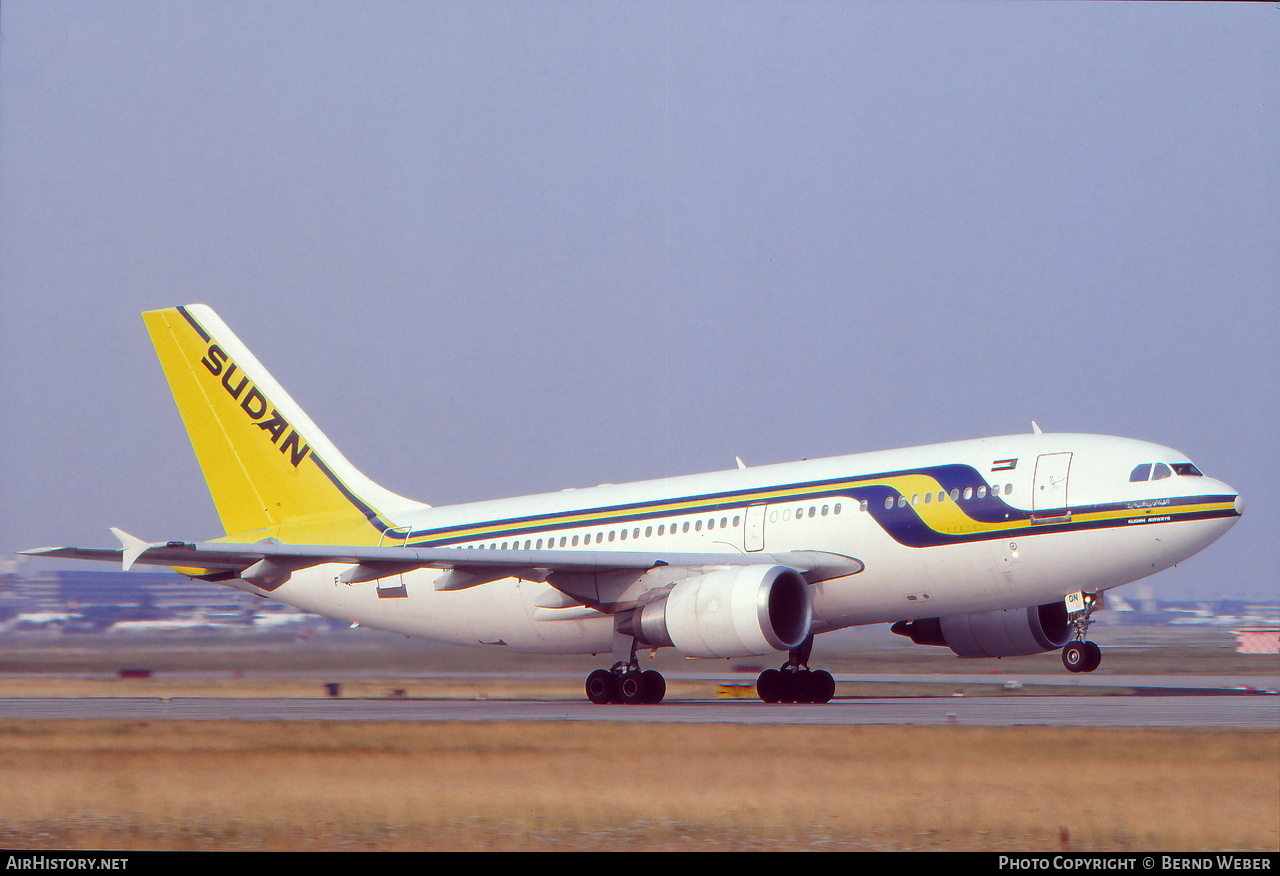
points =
(1241, 712)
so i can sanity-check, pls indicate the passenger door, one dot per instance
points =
(1049, 492)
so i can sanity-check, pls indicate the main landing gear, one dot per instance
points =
(1080, 655)
(625, 682)
(795, 682)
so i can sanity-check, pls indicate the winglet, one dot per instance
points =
(133, 547)
(1035, 428)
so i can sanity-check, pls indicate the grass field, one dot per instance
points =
(401, 786)
(437, 786)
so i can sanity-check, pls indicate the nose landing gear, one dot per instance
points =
(1081, 655)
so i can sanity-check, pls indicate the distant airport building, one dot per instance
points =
(83, 601)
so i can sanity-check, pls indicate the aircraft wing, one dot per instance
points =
(271, 562)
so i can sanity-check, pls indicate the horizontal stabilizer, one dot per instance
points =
(131, 547)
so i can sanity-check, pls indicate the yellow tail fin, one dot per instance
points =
(270, 471)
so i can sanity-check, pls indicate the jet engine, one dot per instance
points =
(1001, 633)
(734, 612)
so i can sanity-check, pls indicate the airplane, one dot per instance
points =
(993, 547)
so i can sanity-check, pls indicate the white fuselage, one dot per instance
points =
(1065, 517)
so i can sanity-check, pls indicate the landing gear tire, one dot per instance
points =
(631, 688)
(787, 689)
(822, 687)
(769, 685)
(655, 687)
(1073, 656)
(602, 686)
(1081, 656)
(801, 686)
(1094, 657)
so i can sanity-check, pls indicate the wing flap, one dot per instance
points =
(470, 567)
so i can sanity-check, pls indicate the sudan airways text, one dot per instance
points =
(255, 404)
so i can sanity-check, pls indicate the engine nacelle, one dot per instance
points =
(1002, 633)
(734, 612)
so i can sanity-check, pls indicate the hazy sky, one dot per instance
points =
(504, 248)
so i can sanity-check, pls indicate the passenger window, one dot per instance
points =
(982, 491)
(1140, 473)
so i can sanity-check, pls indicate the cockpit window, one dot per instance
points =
(1186, 469)
(1140, 473)
(1161, 472)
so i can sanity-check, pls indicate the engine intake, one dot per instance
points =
(734, 612)
(1001, 633)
